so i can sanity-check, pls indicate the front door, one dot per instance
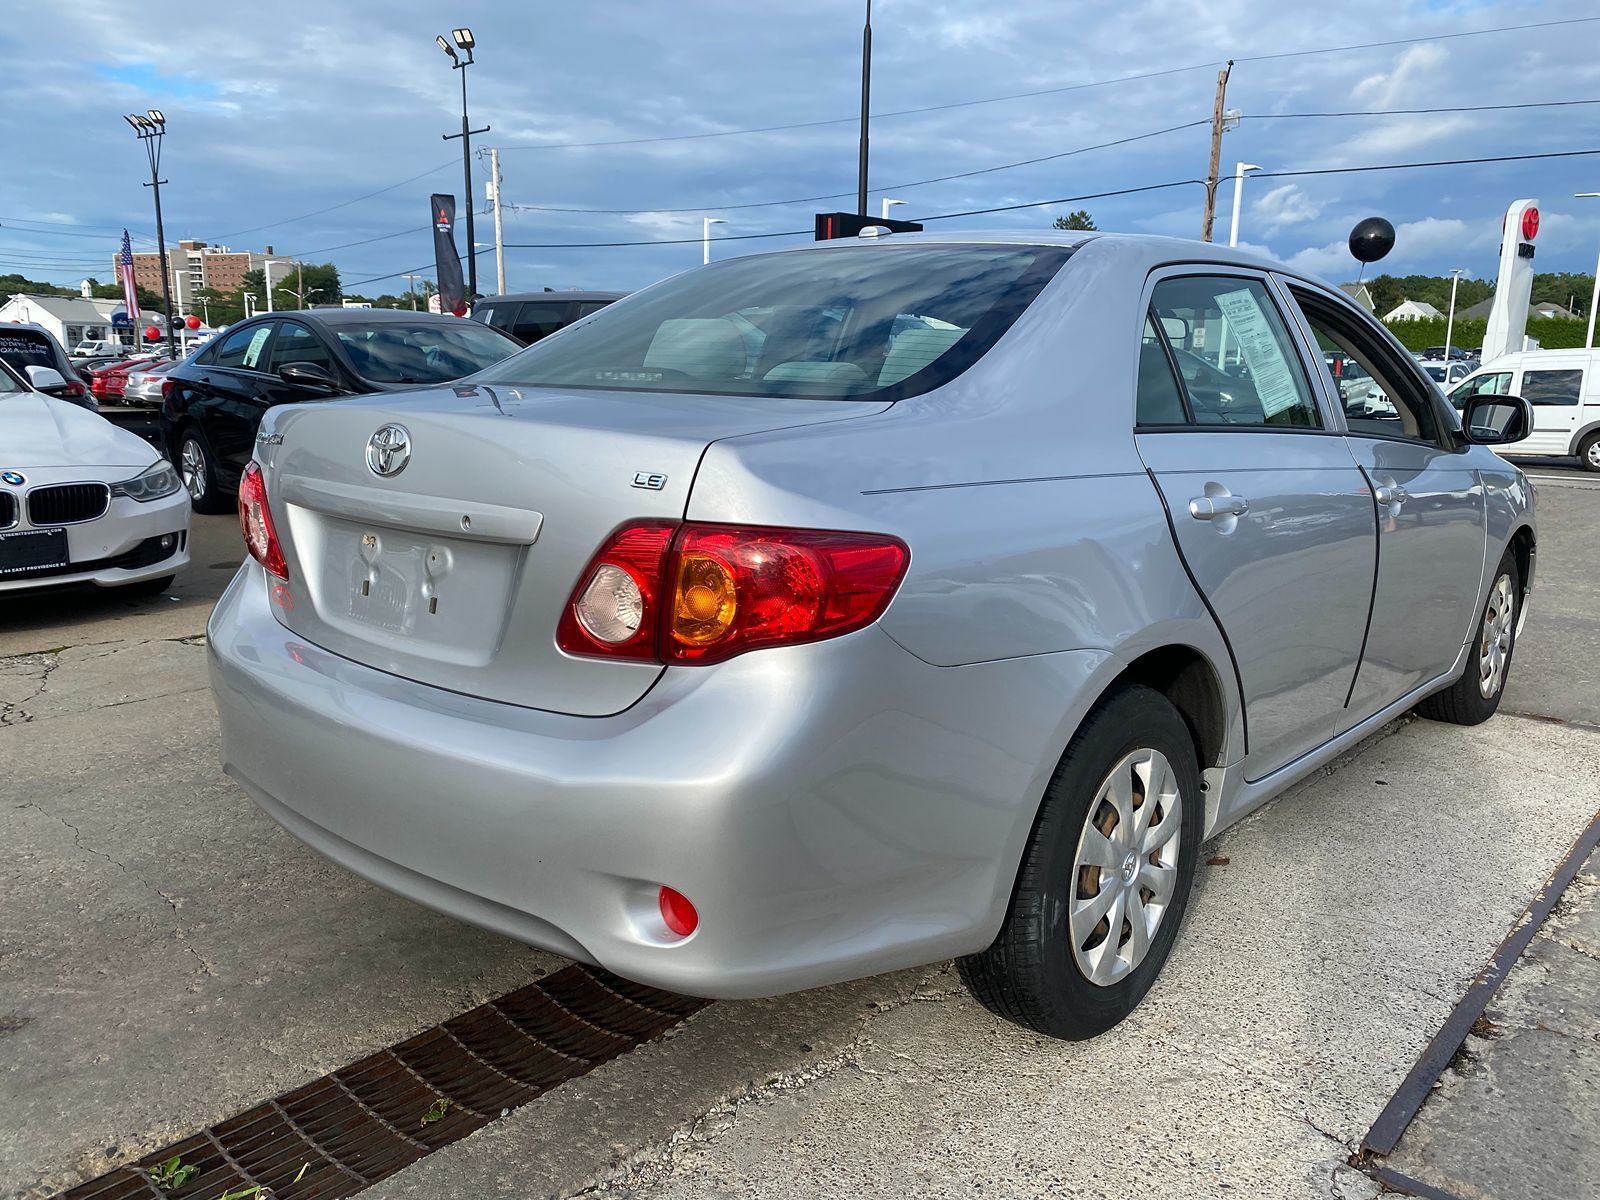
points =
(1430, 508)
(1270, 512)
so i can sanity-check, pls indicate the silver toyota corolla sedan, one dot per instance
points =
(824, 612)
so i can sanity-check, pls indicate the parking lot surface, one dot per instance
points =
(169, 957)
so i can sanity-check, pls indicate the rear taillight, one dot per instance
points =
(74, 390)
(166, 387)
(699, 594)
(255, 521)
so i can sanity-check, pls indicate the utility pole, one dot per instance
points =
(499, 224)
(411, 286)
(1217, 115)
(866, 97)
(299, 283)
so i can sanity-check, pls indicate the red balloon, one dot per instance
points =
(152, 334)
(192, 321)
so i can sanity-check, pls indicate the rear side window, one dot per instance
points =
(243, 349)
(26, 348)
(297, 344)
(1552, 387)
(1160, 399)
(538, 319)
(1234, 352)
(880, 322)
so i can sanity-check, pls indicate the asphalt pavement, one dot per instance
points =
(169, 957)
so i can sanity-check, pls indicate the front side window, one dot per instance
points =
(1490, 383)
(434, 351)
(297, 344)
(1556, 388)
(880, 322)
(1238, 363)
(1381, 392)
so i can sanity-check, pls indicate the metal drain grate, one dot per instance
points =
(365, 1121)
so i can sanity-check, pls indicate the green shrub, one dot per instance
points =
(1554, 333)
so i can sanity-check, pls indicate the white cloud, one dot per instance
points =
(1415, 243)
(1408, 85)
(1283, 205)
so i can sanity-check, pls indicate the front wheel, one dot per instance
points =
(1473, 698)
(1589, 452)
(1106, 875)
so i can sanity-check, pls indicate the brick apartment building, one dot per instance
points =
(195, 265)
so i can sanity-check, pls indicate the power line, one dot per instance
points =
(1075, 87)
(1443, 162)
(1408, 112)
(341, 204)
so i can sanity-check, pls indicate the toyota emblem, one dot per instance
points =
(389, 450)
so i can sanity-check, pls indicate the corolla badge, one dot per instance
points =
(389, 450)
(14, 478)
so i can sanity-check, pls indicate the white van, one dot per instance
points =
(1564, 388)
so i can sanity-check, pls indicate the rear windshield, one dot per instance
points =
(26, 348)
(427, 352)
(879, 322)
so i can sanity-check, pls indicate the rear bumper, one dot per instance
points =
(833, 810)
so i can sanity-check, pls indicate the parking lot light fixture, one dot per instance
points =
(467, 43)
(151, 129)
(1594, 299)
(705, 238)
(1238, 194)
(464, 39)
(447, 48)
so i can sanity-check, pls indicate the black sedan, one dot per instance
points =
(218, 396)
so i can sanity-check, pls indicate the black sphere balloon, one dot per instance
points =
(1371, 239)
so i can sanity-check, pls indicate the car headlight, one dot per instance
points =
(150, 484)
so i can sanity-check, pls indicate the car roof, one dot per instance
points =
(353, 316)
(580, 297)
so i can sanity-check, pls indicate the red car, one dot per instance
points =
(109, 382)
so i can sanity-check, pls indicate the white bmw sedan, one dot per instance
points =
(81, 501)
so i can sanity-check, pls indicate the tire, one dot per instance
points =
(198, 469)
(1589, 452)
(1473, 698)
(148, 587)
(1033, 974)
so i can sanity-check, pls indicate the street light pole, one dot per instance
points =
(465, 42)
(888, 204)
(1594, 300)
(1238, 194)
(411, 286)
(866, 97)
(705, 238)
(1450, 321)
(150, 129)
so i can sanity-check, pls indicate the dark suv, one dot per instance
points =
(529, 316)
(23, 346)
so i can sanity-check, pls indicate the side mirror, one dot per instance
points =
(309, 375)
(1176, 329)
(1490, 420)
(46, 379)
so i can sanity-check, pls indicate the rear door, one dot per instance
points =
(227, 395)
(1271, 514)
(1429, 505)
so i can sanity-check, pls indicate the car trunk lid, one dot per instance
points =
(453, 570)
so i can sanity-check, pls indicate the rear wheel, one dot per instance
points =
(1474, 697)
(1589, 452)
(199, 472)
(1105, 877)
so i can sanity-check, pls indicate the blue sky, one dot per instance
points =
(295, 132)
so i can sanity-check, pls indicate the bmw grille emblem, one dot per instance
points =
(14, 478)
(389, 450)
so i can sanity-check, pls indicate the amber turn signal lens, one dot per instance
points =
(706, 601)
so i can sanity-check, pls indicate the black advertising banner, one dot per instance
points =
(452, 291)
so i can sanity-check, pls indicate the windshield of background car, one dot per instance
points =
(427, 352)
(26, 348)
(879, 323)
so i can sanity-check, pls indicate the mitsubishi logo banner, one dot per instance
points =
(452, 291)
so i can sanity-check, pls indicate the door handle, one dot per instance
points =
(1390, 493)
(1206, 508)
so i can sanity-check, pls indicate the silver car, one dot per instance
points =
(824, 612)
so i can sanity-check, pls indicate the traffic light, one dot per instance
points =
(844, 225)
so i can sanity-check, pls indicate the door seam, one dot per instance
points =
(1372, 600)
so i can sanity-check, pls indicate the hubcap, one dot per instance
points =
(192, 466)
(1593, 455)
(1494, 648)
(1126, 869)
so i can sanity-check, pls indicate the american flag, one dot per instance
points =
(130, 290)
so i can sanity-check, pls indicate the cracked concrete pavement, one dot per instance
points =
(168, 957)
